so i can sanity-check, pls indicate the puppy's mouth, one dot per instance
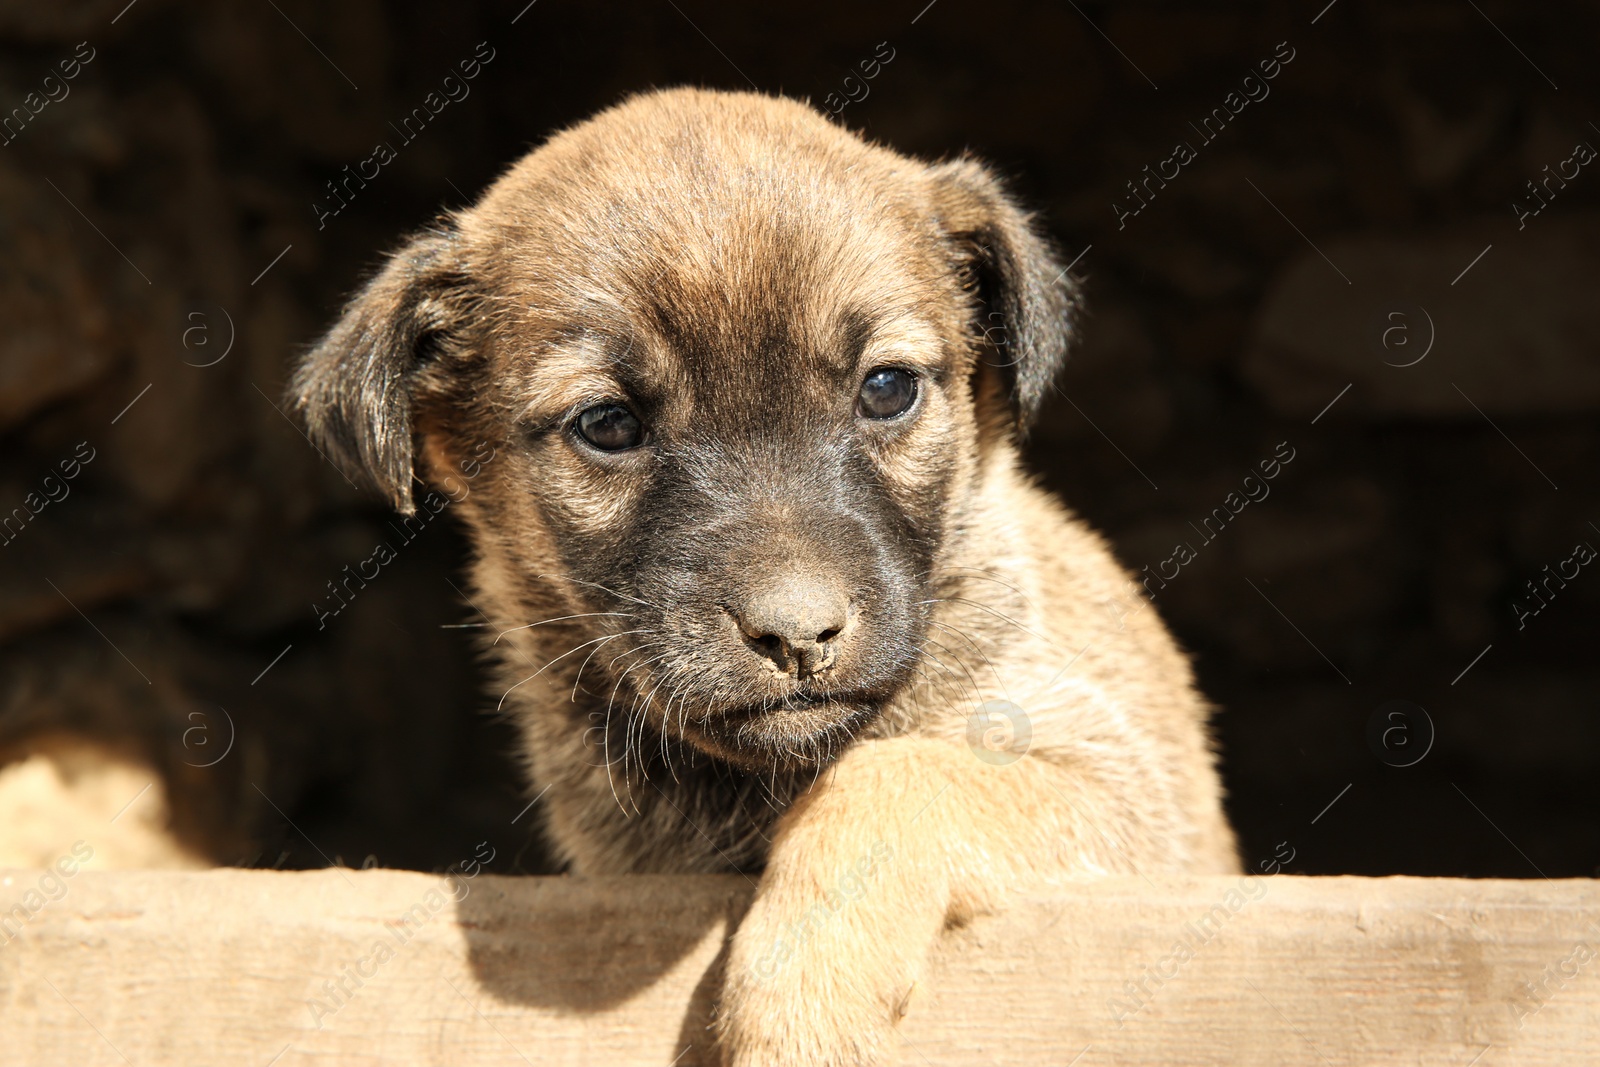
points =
(802, 730)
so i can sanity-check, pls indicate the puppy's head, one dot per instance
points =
(744, 374)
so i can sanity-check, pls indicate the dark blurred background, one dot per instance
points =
(1361, 234)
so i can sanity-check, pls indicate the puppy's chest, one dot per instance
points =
(658, 815)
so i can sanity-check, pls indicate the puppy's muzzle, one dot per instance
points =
(798, 624)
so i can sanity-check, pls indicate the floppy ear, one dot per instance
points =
(354, 390)
(1026, 302)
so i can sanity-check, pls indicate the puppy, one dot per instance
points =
(768, 590)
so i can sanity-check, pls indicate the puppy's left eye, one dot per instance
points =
(610, 427)
(887, 392)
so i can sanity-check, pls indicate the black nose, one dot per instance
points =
(797, 623)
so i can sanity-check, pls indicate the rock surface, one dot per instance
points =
(1417, 334)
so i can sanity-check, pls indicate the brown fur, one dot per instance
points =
(732, 265)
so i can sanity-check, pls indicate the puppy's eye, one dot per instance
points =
(610, 427)
(887, 392)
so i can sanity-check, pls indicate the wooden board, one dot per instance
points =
(250, 968)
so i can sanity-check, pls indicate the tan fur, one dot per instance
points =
(721, 208)
(67, 790)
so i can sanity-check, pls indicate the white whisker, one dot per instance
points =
(563, 618)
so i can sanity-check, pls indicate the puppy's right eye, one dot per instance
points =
(610, 427)
(887, 392)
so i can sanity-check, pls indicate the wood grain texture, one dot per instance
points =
(243, 968)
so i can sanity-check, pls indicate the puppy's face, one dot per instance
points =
(741, 370)
(746, 454)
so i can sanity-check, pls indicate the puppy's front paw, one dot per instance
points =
(822, 967)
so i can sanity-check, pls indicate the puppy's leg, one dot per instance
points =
(901, 838)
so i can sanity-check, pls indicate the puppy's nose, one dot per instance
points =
(797, 623)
